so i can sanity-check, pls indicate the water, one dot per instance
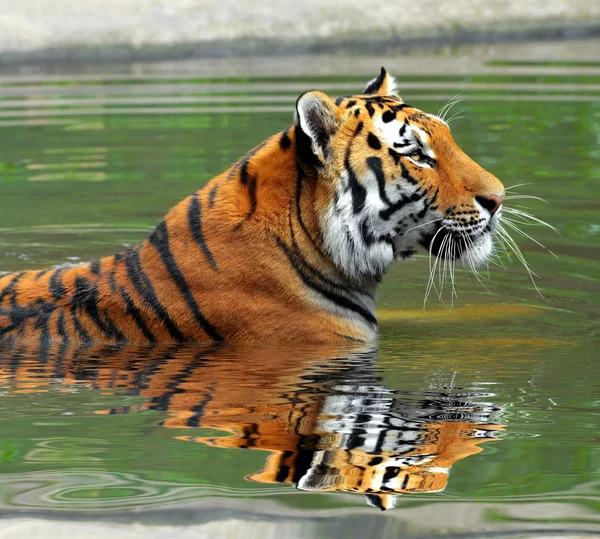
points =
(484, 416)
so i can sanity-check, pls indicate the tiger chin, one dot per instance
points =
(288, 245)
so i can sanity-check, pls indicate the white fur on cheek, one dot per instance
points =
(478, 253)
(344, 240)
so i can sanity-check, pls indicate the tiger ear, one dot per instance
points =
(383, 84)
(317, 119)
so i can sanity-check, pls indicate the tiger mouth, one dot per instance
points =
(456, 245)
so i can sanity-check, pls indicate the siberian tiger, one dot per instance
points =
(289, 244)
(326, 419)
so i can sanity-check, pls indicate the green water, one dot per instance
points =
(81, 175)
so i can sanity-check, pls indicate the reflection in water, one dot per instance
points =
(324, 414)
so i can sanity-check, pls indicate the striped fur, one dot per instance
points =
(325, 417)
(289, 244)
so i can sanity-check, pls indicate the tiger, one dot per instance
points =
(326, 419)
(287, 245)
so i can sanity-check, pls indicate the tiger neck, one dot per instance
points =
(273, 190)
(265, 211)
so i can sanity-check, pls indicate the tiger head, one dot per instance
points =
(393, 181)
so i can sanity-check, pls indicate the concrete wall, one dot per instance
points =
(134, 29)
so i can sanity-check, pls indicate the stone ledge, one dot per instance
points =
(73, 31)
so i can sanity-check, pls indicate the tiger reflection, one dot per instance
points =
(323, 414)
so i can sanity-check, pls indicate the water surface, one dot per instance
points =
(481, 417)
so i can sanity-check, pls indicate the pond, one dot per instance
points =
(475, 413)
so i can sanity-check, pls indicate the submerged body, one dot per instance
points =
(289, 244)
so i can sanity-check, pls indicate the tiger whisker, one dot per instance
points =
(435, 267)
(526, 215)
(471, 261)
(517, 185)
(507, 238)
(516, 196)
(419, 226)
(512, 225)
(453, 293)
(502, 244)
(451, 102)
(454, 102)
(455, 116)
(431, 270)
(442, 274)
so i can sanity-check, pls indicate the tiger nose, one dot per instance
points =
(491, 202)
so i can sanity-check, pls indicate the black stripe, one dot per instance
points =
(144, 288)
(390, 473)
(95, 267)
(56, 285)
(358, 191)
(60, 327)
(375, 85)
(376, 167)
(40, 274)
(212, 194)
(405, 482)
(163, 401)
(252, 195)
(198, 410)
(366, 234)
(284, 140)
(195, 224)
(11, 285)
(282, 474)
(134, 312)
(407, 176)
(299, 178)
(303, 464)
(402, 145)
(349, 338)
(59, 369)
(373, 141)
(302, 260)
(248, 179)
(79, 329)
(112, 283)
(244, 160)
(399, 204)
(85, 297)
(112, 331)
(236, 166)
(44, 313)
(244, 174)
(314, 271)
(160, 240)
(339, 300)
(388, 116)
